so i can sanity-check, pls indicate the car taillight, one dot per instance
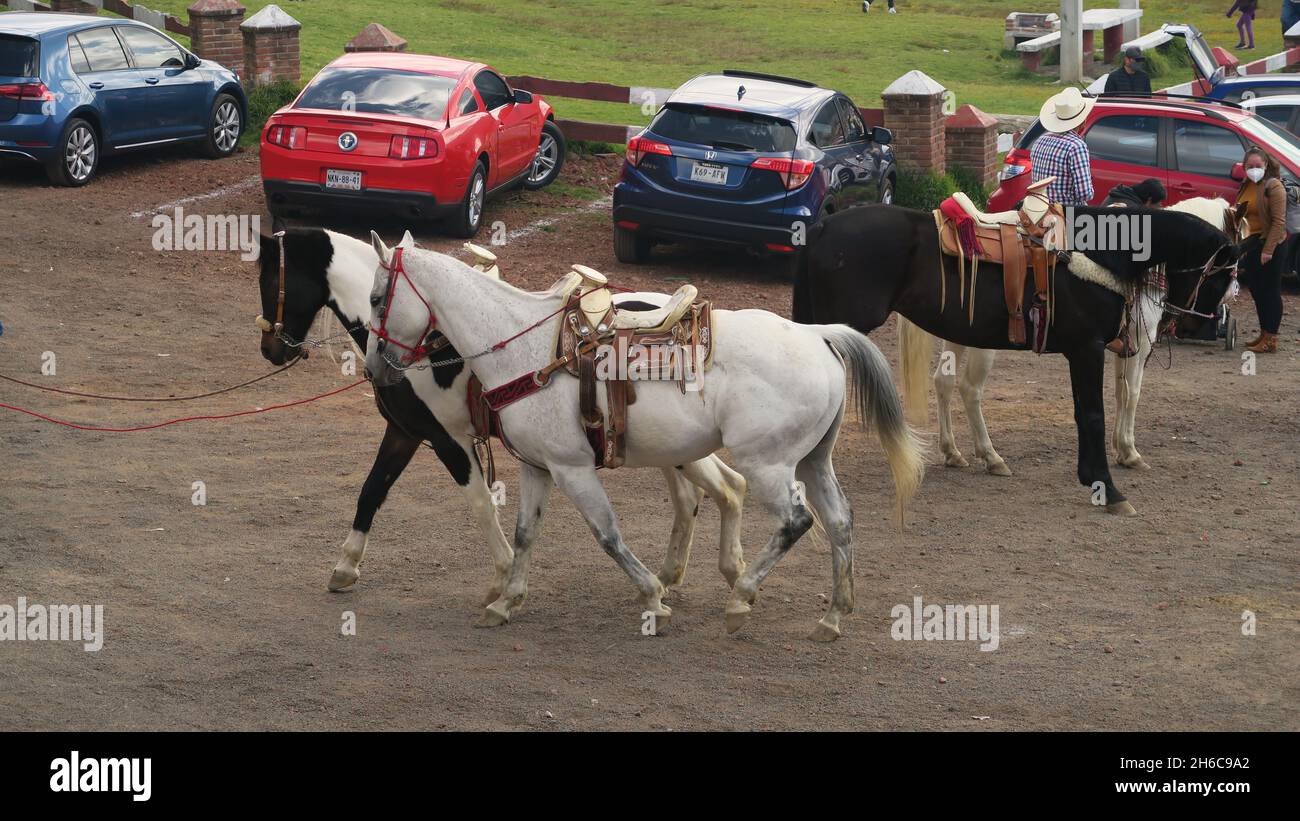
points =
(1016, 163)
(1011, 170)
(287, 136)
(794, 173)
(413, 148)
(26, 91)
(638, 147)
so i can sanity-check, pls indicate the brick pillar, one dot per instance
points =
(375, 37)
(914, 113)
(271, 46)
(214, 32)
(73, 6)
(972, 142)
(1088, 43)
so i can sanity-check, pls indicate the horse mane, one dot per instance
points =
(1176, 239)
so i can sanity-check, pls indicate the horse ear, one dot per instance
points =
(380, 248)
(408, 241)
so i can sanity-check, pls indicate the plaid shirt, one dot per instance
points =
(1064, 156)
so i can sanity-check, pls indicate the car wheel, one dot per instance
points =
(629, 246)
(78, 156)
(224, 125)
(887, 193)
(469, 217)
(549, 160)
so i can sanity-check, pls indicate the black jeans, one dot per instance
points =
(1264, 282)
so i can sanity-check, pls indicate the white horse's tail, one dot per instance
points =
(873, 394)
(914, 359)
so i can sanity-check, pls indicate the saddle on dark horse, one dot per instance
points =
(1015, 240)
(597, 341)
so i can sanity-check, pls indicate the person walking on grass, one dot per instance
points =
(1247, 9)
(1262, 199)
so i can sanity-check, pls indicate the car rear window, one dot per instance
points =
(379, 91)
(722, 128)
(18, 56)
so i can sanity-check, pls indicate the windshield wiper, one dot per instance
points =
(733, 146)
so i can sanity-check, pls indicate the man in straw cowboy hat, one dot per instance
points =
(1062, 153)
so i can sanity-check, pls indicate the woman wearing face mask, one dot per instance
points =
(1262, 198)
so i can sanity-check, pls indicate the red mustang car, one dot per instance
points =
(410, 135)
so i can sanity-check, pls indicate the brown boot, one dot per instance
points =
(1121, 347)
(1267, 343)
(1256, 340)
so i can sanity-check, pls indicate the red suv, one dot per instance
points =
(1194, 147)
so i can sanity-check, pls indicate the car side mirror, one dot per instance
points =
(881, 135)
(191, 60)
(1238, 171)
(523, 97)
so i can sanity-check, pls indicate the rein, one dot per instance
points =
(1208, 271)
(408, 361)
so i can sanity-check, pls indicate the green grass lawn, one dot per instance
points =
(664, 42)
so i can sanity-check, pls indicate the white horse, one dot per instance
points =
(340, 274)
(774, 398)
(967, 369)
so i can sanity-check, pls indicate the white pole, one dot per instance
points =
(1131, 28)
(1071, 41)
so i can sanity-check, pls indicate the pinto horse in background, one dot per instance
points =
(328, 269)
(864, 263)
(968, 368)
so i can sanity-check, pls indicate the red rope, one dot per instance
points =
(183, 419)
(110, 398)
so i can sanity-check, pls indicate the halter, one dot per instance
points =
(413, 353)
(278, 328)
(1208, 271)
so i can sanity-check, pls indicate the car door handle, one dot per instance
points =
(153, 81)
(96, 84)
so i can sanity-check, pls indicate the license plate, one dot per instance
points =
(347, 180)
(710, 173)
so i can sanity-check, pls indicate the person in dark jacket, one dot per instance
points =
(1129, 78)
(1146, 194)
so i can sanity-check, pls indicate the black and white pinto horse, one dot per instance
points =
(966, 370)
(864, 263)
(327, 269)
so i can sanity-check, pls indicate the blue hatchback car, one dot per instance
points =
(747, 159)
(74, 87)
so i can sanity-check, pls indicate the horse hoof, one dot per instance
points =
(737, 612)
(663, 621)
(998, 468)
(1121, 509)
(825, 632)
(495, 614)
(1136, 464)
(956, 460)
(342, 578)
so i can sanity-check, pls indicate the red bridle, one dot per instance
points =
(413, 353)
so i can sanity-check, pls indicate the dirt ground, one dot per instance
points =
(218, 618)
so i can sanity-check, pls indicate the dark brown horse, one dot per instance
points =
(866, 262)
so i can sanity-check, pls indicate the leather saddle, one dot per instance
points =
(599, 342)
(1014, 240)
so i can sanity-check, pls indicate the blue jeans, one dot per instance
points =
(1290, 15)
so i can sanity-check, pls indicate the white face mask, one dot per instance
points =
(1255, 174)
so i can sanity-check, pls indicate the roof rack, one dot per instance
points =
(774, 78)
(1151, 95)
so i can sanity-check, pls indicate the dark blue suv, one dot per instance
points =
(747, 159)
(74, 87)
